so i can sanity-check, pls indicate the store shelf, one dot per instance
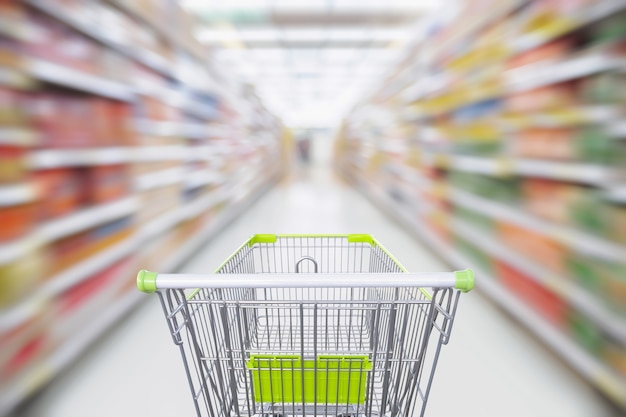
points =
(215, 225)
(503, 165)
(618, 129)
(12, 195)
(40, 373)
(82, 270)
(599, 114)
(87, 218)
(598, 373)
(160, 153)
(66, 16)
(65, 226)
(130, 9)
(589, 14)
(538, 75)
(77, 80)
(14, 78)
(161, 178)
(202, 177)
(18, 136)
(574, 239)
(57, 158)
(170, 219)
(185, 130)
(578, 297)
(567, 171)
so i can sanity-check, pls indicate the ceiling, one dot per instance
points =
(309, 60)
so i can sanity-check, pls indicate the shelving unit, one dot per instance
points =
(128, 162)
(499, 142)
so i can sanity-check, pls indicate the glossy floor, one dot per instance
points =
(491, 368)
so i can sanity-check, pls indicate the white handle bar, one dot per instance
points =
(151, 281)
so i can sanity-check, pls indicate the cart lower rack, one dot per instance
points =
(319, 325)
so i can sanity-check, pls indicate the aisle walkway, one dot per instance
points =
(491, 368)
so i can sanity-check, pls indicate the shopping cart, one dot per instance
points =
(320, 325)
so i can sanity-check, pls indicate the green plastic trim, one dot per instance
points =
(361, 239)
(464, 280)
(146, 281)
(262, 238)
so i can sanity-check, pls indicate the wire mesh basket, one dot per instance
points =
(295, 325)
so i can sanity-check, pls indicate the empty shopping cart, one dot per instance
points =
(319, 325)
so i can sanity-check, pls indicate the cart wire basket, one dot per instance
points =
(309, 325)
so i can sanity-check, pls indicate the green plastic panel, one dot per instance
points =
(328, 379)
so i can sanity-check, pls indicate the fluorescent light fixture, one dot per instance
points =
(304, 35)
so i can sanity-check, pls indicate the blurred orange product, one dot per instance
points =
(107, 183)
(549, 51)
(17, 220)
(541, 249)
(615, 355)
(556, 143)
(60, 192)
(548, 304)
(119, 117)
(556, 96)
(548, 199)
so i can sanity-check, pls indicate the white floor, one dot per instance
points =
(491, 368)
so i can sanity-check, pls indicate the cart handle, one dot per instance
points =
(149, 282)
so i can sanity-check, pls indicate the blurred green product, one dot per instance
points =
(586, 333)
(612, 29)
(474, 218)
(594, 144)
(605, 88)
(483, 260)
(504, 190)
(607, 281)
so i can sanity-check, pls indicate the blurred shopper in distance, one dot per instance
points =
(304, 146)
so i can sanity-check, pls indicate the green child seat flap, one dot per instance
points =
(329, 379)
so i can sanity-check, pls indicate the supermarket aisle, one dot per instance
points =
(491, 368)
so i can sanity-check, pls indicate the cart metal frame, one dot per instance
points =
(319, 325)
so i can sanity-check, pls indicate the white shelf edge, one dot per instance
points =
(67, 225)
(55, 158)
(78, 80)
(162, 178)
(13, 195)
(573, 294)
(202, 177)
(160, 153)
(595, 371)
(19, 136)
(586, 173)
(89, 266)
(87, 218)
(579, 241)
(542, 74)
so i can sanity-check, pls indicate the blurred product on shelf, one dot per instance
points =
(519, 112)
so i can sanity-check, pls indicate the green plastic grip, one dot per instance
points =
(464, 280)
(146, 281)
